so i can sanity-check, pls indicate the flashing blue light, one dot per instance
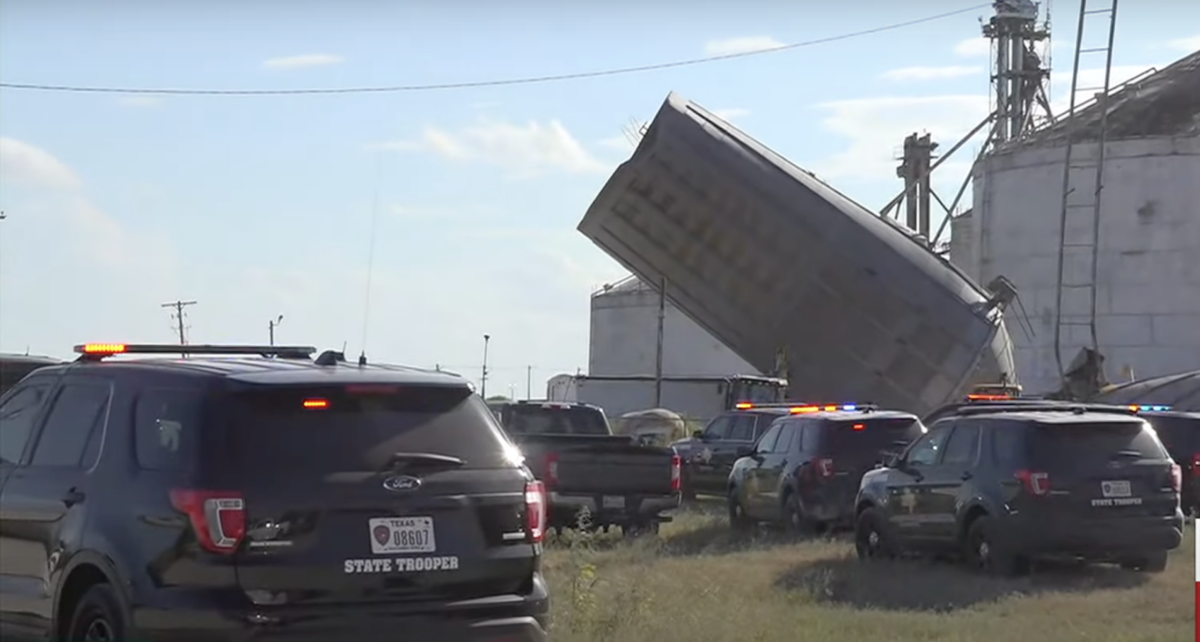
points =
(1149, 408)
(849, 407)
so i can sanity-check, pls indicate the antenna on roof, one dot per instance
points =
(362, 356)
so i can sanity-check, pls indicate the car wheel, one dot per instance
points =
(1155, 562)
(871, 538)
(686, 489)
(795, 521)
(96, 617)
(738, 520)
(986, 551)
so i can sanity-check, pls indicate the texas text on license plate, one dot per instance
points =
(402, 535)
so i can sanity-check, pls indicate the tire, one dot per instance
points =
(985, 550)
(738, 520)
(97, 617)
(872, 541)
(687, 489)
(795, 522)
(642, 529)
(1155, 562)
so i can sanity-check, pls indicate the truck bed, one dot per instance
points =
(773, 261)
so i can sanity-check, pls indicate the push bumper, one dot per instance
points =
(1110, 538)
(610, 510)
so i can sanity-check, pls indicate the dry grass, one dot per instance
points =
(697, 582)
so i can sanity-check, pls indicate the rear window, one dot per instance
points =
(358, 428)
(553, 419)
(1181, 435)
(869, 435)
(1090, 444)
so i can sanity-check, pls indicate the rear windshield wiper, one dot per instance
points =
(402, 461)
(1134, 454)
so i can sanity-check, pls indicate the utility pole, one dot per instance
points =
(271, 325)
(179, 316)
(658, 356)
(484, 373)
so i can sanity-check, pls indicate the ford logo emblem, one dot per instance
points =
(401, 483)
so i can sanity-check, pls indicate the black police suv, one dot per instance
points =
(805, 470)
(255, 493)
(1002, 486)
(1180, 433)
(708, 455)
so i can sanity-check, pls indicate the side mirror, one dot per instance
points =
(698, 434)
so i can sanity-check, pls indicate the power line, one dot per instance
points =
(528, 80)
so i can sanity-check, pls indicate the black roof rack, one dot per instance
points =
(98, 351)
(1059, 406)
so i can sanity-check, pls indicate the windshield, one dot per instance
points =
(320, 430)
(554, 419)
(1084, 446)
(870, 436)
(756, 391)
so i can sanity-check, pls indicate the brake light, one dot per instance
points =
(860, 426)
(676, 473)
(217, 517)
(1036, 483)
(1196, 461)
(824, 467)
(1176, 478)
(551, 476)
(316, 404)
(535, 511)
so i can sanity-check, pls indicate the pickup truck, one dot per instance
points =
(587, 469)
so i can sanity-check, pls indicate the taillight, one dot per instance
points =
(1196, 462)
(551, 475)
(824, 467)
(535, 511)
(676, 473)
(1036, 483)
(217, 517)
(1177, 478)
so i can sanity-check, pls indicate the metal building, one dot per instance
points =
(1119, 273)
(624, 337)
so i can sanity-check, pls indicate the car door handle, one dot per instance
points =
(967, 475)
(72, 497)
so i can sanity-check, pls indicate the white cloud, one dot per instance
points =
(301, 61)
(26, 164)
(525, 150)
(876, 128)
(731, 113)
(621, 142)
(745, 44)
(973, 47)
(930, 73)
(139, 101)
(1187, 45)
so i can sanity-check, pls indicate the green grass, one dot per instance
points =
(698, 582)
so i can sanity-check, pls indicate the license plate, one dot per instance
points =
(1115, 489)
(615, 502)
(402, 535)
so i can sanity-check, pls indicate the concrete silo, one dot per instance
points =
(624, 337)
(1119, 272)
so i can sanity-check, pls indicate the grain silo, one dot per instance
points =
(1096, 220)
(624, 337)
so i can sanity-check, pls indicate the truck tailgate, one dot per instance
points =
(615, 471)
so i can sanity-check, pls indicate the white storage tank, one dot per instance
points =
(624, 337)
(1147, 290)
(961, 254)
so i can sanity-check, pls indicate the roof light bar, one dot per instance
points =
(101, 350)
(1148, 407)
(989, 397)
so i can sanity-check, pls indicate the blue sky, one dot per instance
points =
(257, 206)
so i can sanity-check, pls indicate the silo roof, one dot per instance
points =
(1180, 391)
(1162, 103)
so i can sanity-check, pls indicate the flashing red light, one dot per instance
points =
(860, 426)
(316, 404)
(988, 397)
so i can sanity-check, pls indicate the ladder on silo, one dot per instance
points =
(1083, 205)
